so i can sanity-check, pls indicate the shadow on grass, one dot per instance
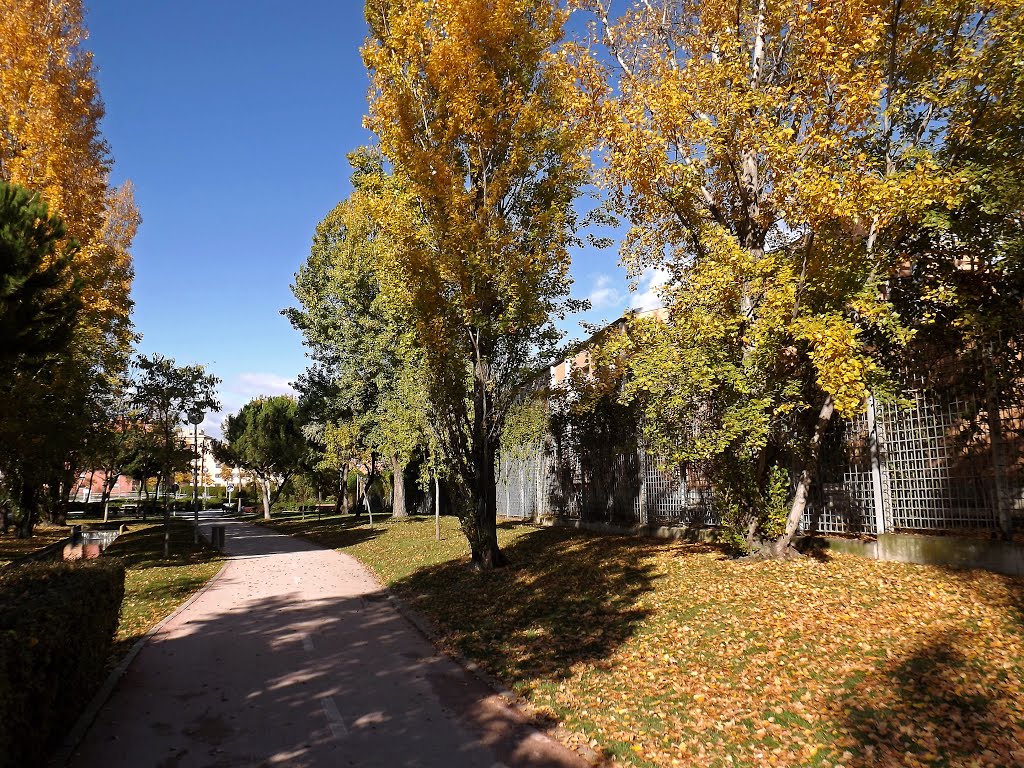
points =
(144, 547)
(13, 548)
(175, 591)
(566, 597)
(933, 705)
(333, 532)
(942, 703)
(814, 547)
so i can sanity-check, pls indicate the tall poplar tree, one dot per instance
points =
(50, 142)
(366, 360)
(468, 99)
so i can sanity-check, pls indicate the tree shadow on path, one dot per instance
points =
(331, 532)
(302, 682)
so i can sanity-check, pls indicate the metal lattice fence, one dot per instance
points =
(844, 499)
(521, 489)
(935, 462)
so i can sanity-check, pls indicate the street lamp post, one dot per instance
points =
(195, 418)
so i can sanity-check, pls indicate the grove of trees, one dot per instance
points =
(264, 438)
(787, 166)
(811, 179)
(66, 270)
(74, 398)
(829, 190)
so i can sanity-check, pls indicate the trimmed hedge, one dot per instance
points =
(57, 623)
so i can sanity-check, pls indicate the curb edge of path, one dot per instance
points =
(84, 722)
(433, 635)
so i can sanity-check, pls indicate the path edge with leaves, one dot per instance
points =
(430, 631)
(84, 722)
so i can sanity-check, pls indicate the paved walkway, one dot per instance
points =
(294, 657)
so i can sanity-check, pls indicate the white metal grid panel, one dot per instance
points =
(843, 498)
(933, 466)
(941, 472)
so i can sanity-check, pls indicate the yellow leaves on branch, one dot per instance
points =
(50, 142)
(467, 101)
(50, 109)
(691, 104)
(837, 356)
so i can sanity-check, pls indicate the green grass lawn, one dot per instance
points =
(667, 654)
(154, 587)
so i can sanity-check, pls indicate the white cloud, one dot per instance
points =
(255, 384)
(648, 295)
(605, 293)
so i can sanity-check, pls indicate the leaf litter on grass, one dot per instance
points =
(672, 654)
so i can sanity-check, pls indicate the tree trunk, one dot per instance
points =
(369, 507)
(398, 492)
(437, 508)
(343, 491)
(143, 486)
(109, 481)
(154, 498)
(363, 491)
(266, 498)
(483, 487)
(486, 555)
(27, 503)
(782, 546)
(369, 481)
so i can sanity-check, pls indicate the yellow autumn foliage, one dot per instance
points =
(50, 142)
(767, 157)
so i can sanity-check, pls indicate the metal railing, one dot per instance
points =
(937, 462)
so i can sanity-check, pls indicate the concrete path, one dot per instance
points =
(294, 657)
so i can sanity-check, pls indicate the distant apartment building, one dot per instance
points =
(209, 467)
(582, 360)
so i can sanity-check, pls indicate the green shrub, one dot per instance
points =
(57, 623)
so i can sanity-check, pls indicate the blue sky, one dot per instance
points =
(233, 118)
